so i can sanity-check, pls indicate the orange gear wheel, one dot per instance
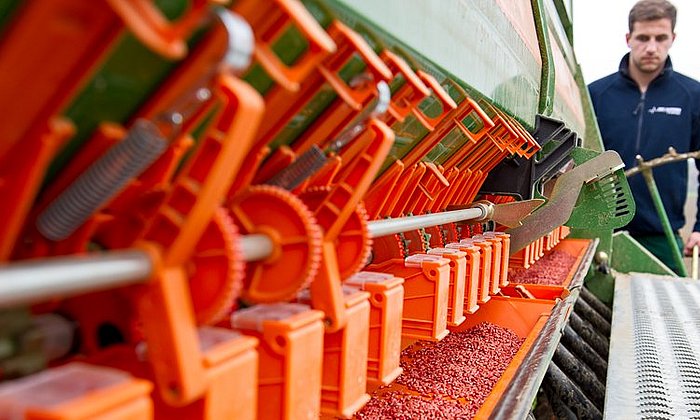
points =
(296, 258)
(216, 270)
(354, 245)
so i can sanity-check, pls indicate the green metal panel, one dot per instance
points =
(476, 42)
(630, 256)
(7, 10)
(567, 93)
(546, 101)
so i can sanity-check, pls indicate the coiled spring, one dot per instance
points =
(102, 181)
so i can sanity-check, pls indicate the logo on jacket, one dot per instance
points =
(668, 110)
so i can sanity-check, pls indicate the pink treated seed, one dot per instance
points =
(552, 269)
(453, 377)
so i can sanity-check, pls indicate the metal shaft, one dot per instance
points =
(386, 227)
(35, 280)
(32, 281)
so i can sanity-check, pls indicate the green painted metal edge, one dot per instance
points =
(630, 256)
(565, 20)
(546, 104)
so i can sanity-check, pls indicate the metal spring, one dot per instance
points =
(102, 181)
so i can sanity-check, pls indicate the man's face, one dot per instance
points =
(649, 43)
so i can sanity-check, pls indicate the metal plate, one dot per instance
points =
(653, 371)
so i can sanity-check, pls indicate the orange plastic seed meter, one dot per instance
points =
(485, 269)
(496, 256)
(230, 360)
(386, 302)
(291, 357)
(77, 391)
(426, 285)
(505, 254)
(458, 271)
(472, 277)
(344, 384)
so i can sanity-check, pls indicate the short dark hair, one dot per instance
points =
(646, 10)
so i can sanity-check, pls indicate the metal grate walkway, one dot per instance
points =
(654, 369)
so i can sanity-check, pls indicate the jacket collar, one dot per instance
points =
(625, 69)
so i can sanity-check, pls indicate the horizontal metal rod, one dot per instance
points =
(38, 280)
(33, 281)
(256, 247)
(386, 227)
(42, 279)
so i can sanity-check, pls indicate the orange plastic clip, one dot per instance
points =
(152, 28)
(355, 97)
(406, 98)
(386, 299)
(165, 303)
(273, 18)
(453, 120)
(380, 190)
(447, 103)
(430, 185)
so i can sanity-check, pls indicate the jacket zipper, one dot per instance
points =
(640, 112)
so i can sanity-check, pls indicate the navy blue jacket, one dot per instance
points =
(632, 123)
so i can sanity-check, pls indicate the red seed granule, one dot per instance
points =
(552, 269)
(403, 406)
(454, 376)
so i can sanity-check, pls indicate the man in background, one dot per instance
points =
(645, 108)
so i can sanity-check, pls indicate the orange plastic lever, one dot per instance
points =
(149, 25)
(270, 20)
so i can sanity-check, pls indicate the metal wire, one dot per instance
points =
(101, 181)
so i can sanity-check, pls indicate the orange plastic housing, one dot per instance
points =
(231, 363)
(291, 356)
(426, 288)
(344, 386)
(458, 272)
(386, 302)
(485, 268)
(496, 257)
(505, 255)
(77, 391)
